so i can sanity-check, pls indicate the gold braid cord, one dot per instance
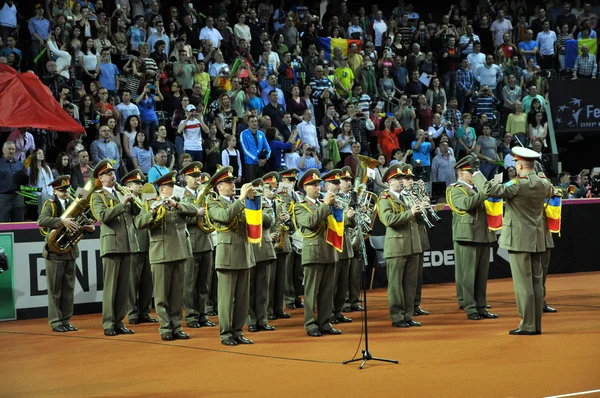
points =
(451, 205)
(233, 223)
(312, 235)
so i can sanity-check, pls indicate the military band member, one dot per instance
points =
(264, 255)
(424, 237)
(281, 243)
(294, 274)
(198, 267)
(139, 302)
(234, 256)
(523, 234)
(165, 217)
(60, 268)
(342, 266)
(473, 238)
(318, 257)
(352, 299)
(118, 239)
(402, 246)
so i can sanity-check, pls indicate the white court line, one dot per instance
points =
(574, 394)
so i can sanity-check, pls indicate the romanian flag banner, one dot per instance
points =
(493, 210)
(298, 142)
(254, 219)
(553, 209)
(333, 125)
(335, 228)
(327, 44)
(573, 49)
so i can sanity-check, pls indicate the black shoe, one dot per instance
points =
(400, 324)
(60, 329)
(538, 332)
(206, 323)
(488, 315)
(212, 313)
(243, 340)
(123, 330)
(488, 306)
(290, 306)
(519, 332)
(252, 328)
(357, 307)
(229, 341)
(412, 323)
(149, 319)
(331, 331)
(134, 322)
(460, 307)
(181, 335)
(474, 317)
(193, 325)
(347, 309)
(266, 328)
(314, 333)
(283, 315)
(299, 304)
(271, 317)
(333, 321)
(166, 336)
(110, 332)
(343, 319)
(71, 328)
(550, 309)
(419, 311)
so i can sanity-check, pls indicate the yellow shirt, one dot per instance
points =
(516, 124)
(203, 79)
(354, 61)
(345, 76)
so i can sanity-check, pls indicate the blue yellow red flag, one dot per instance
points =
(493, 210)
(335, 228)
(254, 219)
(327, 44)
(553, 208)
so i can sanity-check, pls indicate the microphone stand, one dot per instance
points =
(366, 354)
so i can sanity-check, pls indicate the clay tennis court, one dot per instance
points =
(449, 356)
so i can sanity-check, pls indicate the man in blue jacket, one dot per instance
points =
(256, 150)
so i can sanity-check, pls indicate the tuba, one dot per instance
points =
(61, 240)
(366, 200)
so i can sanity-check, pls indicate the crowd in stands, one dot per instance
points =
(258, 86)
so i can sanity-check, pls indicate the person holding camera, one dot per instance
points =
(422, 148)
(309, 159)
(192, 128)
(185, 69)
(146, 104)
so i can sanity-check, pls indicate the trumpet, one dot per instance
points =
(340, 203)
(164, 202)
(411, 200)
(419, 191)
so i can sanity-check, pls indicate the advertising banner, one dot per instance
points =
(7, 294)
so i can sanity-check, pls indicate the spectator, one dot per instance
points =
(8, 20)
(414, 88)
(63, 58)
(399, 156)
(82, 171)
(516, 124)
(533, 93)
(159, 168)
(465, 84)
(40, 175)
(39, 28)
(108, 73)
(442, 166)
(61, 166)
(561, 45)
(230, 156)
(546, 38)
(126, 109)
(424, 114)
(137, 33)
(436, 94)
(209, 32)
(274, 109)
(287, 128)
(511, 93)
(586, 66)
(448, 66)
(184, 70)
(514, 69)
(485, 150)
(345, 140)
(307, 132)
(142, 154)
(226, 118)
(279, 146)
(466, 138)
(439, 129)
(146, 105)
(191, 128)
(388, 138)
(422, 148)
(23, 142)
(529, 48)
(12, 205)
(309, 159)
(256, 150)
(318, 84)
(105, 106)
(158, 35)
(538, 130)
(361, 128)
(238, 97)
(104, 148)
(161, 142)
(489, 74)
(468, 40)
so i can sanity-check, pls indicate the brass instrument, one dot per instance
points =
(340, 201)
(366, 200)
(284, 227)
(61, 240)
(206, 193)
(419, 191)
(123, 190)
(411, 200)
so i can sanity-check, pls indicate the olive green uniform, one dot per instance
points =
(342, 268)
(524, 236)
(472, 239)
(118, 239)
(60, 268)
(294, 270)
(170, 248)
(318, 259)
(354, 275)
(279, 268)
(233, 261)
(401, 250)
(139, 303)
(264, 255)
(197, 270)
